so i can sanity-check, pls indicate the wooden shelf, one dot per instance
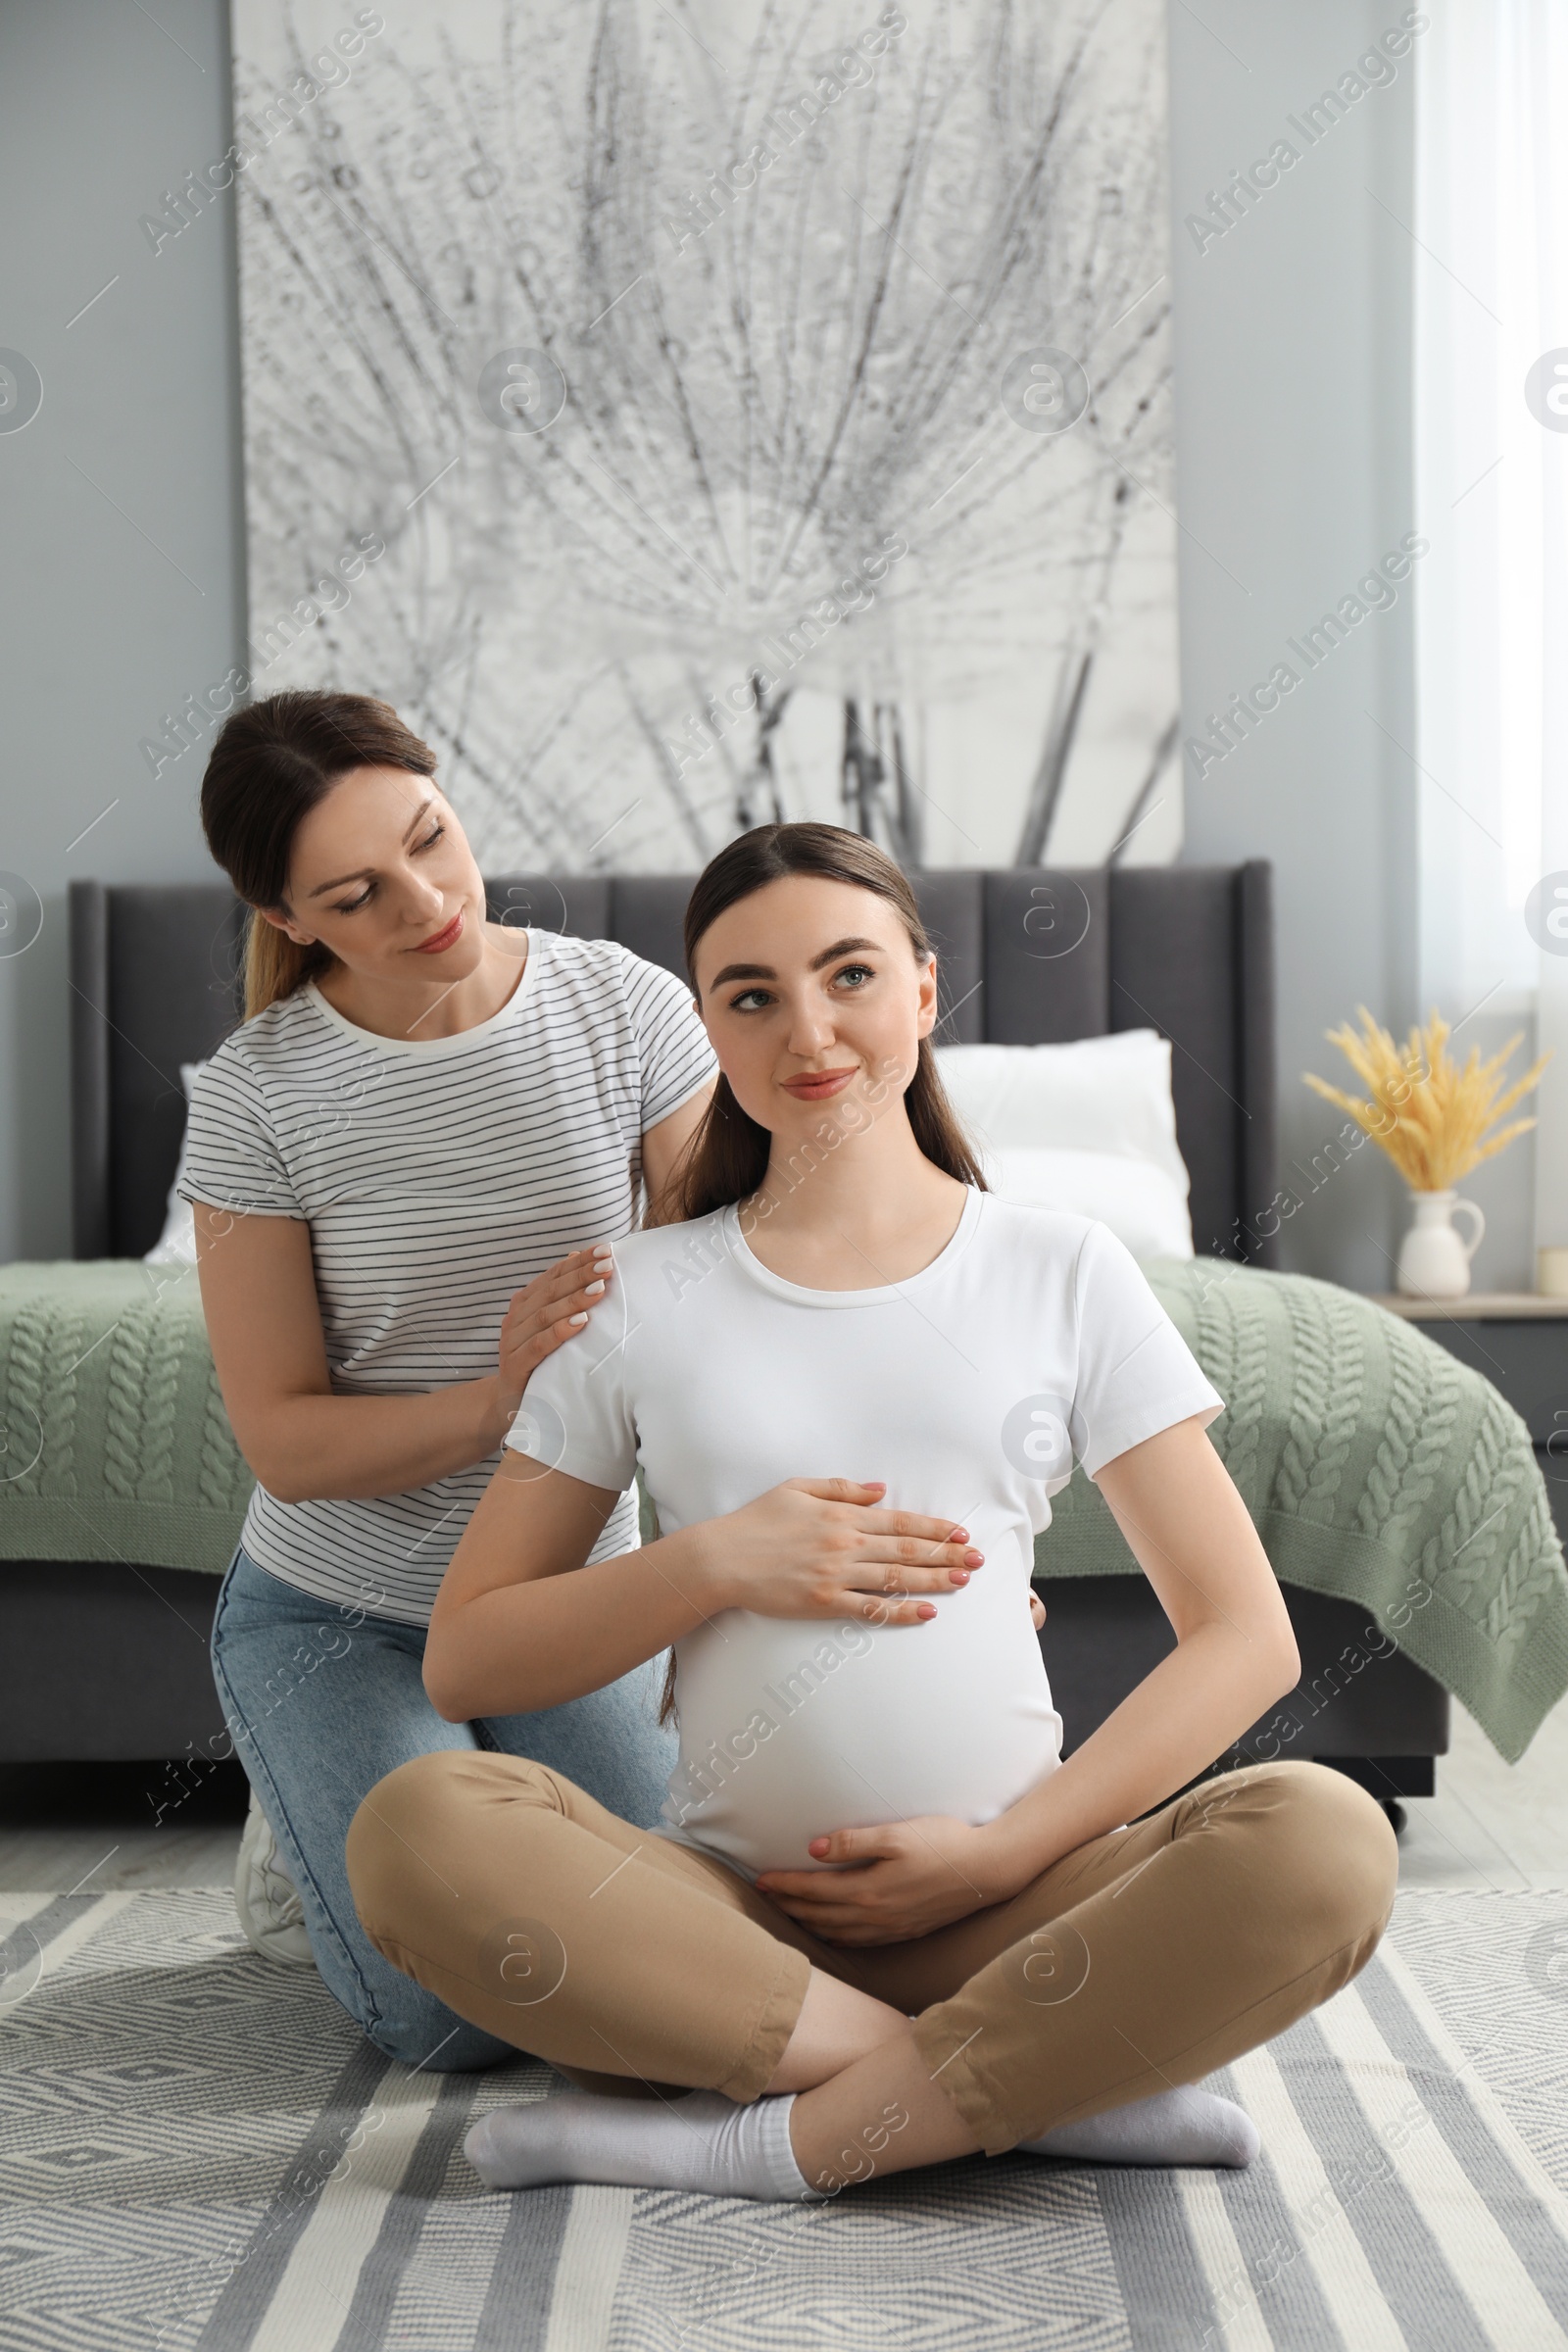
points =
(1477, 1306)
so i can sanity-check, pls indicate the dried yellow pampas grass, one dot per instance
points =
(1429, 1116)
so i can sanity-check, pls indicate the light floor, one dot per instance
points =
(64, 1826)
(1492, 1824)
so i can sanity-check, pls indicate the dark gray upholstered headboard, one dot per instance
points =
(1028, 956)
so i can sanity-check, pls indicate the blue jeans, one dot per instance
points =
(322, 1703)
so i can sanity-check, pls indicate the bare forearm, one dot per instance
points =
(1166, 1732)
(325, 1448)
(524, 1646)
(304, 1440)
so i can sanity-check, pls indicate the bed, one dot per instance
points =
(110, 1544)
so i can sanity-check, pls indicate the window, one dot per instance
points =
(1491, 401)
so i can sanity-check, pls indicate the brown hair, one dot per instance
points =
(271, 764)
(727, 1157)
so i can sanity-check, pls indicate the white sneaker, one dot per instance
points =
(265, 1897)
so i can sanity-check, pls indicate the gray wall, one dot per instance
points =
(1295, 477)
(119, 504)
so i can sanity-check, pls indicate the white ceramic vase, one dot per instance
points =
(1435, 1260)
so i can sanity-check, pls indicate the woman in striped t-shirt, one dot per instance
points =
(395, 1163)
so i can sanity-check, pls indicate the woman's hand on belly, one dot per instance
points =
(889, 1885)
(823, 1547)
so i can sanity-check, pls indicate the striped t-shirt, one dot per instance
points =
(437, 1178)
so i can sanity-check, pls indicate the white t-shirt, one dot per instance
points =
(968, 1387)
(437, 1177)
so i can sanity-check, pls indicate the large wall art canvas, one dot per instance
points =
(694, 412)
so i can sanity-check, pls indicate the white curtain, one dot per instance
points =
(1491, 495)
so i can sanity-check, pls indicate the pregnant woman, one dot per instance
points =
(881, 1924)
(421, 1112)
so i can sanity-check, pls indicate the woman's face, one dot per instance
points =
(381, 873)
(811, 994)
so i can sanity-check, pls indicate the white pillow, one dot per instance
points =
(1142, 1205)
(175, 1245)
(1105, 1098)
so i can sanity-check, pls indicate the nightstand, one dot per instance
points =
(1519, 1341)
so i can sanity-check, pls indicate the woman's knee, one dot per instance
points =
(1326, 1849)
(428, 2036)
(422, 1812)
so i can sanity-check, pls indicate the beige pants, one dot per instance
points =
(1146, 1958)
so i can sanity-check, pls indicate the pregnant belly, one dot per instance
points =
(790, 1728)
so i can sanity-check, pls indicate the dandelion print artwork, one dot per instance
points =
(695, 412)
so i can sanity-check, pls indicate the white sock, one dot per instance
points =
(702, 2141)
(1175, 2127)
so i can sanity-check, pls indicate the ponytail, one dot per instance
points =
(276, 965)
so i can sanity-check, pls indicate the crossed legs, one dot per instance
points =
(1129, 1969)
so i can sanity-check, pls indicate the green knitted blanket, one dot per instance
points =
(115, 1442)
(1375, 1466)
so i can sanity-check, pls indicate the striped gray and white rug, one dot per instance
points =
(199, 2156)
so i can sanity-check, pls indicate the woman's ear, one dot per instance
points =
(926, 1015)
(283, 921)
